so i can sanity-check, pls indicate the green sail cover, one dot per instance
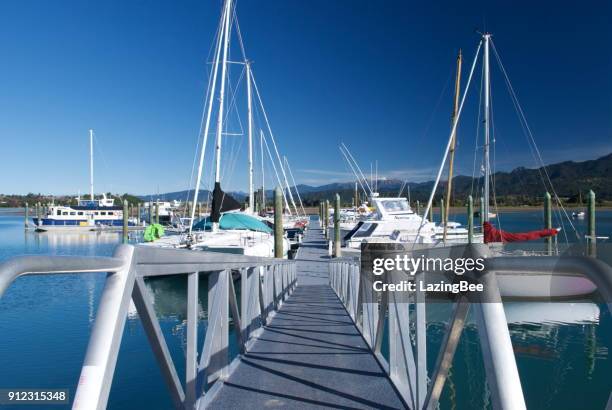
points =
(234, 220)
(153, 232)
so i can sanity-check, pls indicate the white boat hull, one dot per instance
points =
(537, 286)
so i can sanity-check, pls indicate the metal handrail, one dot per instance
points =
(406, 366)
(265, 284)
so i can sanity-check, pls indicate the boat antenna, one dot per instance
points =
(348, 152)
(91, 166)
(359, 179)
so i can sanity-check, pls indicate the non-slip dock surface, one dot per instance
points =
(310, 355)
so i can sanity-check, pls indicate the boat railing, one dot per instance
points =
(264, 284)
(406, 363)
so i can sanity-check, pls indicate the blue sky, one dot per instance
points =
(376, 75)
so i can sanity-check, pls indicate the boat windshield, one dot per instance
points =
(399, 205)
(364, 231)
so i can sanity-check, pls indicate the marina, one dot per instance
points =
(472, 267)
(581, 327)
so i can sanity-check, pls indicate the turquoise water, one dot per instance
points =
(45, 321)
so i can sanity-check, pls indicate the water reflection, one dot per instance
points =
(560, 347)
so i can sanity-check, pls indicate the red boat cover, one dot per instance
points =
(492, 234)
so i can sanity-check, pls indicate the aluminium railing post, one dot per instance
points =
(380, 326)
(263, 307)
(191, 366)
(446, 353)
(146, 312)
(349, 297)
(421, 342)
(214, 358)
(342, 283)
(402, 367)
(498, 355)
(284, 281)
(275, 290)
(269, 289)
(249, 296)
(334, 266)
(370, 311)
(101, 357)
(233, 305)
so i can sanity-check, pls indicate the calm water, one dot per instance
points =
(562, 350)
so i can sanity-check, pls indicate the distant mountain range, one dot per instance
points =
(520, 186)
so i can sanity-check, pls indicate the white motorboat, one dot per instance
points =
(393, 220)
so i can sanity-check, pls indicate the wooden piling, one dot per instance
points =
(548, 220)
(125, 220)
(592, 238)
(470, 219)
(431, 212)
(321, 214)
(418, 207)
(26, 211)
(278, 223)
(156, 212)
(337, 249)
(442, 213)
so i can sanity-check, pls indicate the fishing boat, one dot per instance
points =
(88, 214)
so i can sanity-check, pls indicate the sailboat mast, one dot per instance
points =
(487, 91)
(250, 130)
(451, 161)
(91, 168)
(226, 37)
(212, 85)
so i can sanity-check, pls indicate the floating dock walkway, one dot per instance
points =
(310, 354)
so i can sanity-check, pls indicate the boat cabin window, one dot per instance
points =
(103, 213)
(64, 213)
(72, 213)
(80, 213)
(396, 206)
(364, 230)
(111, 213)
(59, 212)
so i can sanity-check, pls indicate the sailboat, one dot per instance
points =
(88, 214)
(227, 228)
(517, 285)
